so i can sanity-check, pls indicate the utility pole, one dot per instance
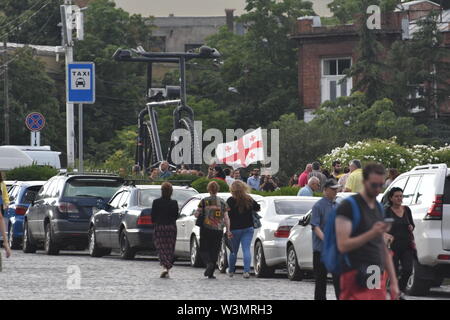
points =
(6, 79)
(68, 44)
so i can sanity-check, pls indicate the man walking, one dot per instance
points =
(355, 179)
(318, 174)
(308, 190)
(368, 258)
(319, 215)
(303, 178)
(254, 181)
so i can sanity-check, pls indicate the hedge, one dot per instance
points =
(201, 183)
(31, 173)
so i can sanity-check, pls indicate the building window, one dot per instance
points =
(333, 71)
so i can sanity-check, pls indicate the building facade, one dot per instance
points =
(326, 51)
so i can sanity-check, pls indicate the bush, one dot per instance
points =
(201, 183)
(389, 153)
(283, 191)
(183, 177)
(31, 173)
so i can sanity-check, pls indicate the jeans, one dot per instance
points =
(241, 237)
(320, 275)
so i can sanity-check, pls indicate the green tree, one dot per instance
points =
(31, 21)
(31, 89)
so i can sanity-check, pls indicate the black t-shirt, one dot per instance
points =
(400, 228)
(164, 211)
(371, 253)
(241, 220)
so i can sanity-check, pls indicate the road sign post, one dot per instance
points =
(35, 122)
(80, 90)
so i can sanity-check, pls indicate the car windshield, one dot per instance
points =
(92, 187)
(293, 207)
(146, 196)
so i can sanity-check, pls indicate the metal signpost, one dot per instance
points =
(80, 90)
(35, 122)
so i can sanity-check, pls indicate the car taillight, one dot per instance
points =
(435, 211)
(283, 232)
(20, 211)
(144, 220)
(67, 207)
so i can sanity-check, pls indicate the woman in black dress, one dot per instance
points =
(402, 244)
(164, 216)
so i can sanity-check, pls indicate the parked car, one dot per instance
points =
(299, 252)
(60, 215)
(125, 223)
(278, 214)
(9, 184)
(426, 190)
(21, 195)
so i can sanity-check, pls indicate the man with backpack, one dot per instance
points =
(359, 229)
(319, 214)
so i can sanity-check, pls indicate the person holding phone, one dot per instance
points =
(365, 248)
(402, 241)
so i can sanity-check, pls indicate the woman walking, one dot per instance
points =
(402, 244)
(4, 203)
(213, 214)
(242, 207)
(164, 216)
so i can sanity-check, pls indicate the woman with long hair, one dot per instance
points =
(214, 214)
(242, 206)
(4, 203)
(164, 216)
(403, 244)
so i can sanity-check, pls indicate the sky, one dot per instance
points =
(162, 8)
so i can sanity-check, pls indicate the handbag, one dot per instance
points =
(201, 217)
(256, 220)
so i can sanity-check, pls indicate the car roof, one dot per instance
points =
(158, 187)
(293, 198)
(29, 183)
(227, 195)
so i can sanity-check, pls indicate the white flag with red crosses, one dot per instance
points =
(242, 152)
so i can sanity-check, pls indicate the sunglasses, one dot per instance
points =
(377, 185)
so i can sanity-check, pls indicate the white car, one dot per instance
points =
(188, 234)
(299, 252)
(426, 190)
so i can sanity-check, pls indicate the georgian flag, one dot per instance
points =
(242, 152)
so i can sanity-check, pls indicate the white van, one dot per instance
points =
(16, 156)
(426, 190)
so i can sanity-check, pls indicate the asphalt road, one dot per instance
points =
(75, 275)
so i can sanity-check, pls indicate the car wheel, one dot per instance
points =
(14, 243)
(293, 269)
(94, 249)
(196, 261)
(222, 261)
(27, 243)
(259, 264)
(126, 252)
(50, 246)
(416, 285)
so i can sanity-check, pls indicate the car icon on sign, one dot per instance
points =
(80, 82)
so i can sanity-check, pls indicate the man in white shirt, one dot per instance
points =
(228, 179)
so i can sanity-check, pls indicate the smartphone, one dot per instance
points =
(389, 220)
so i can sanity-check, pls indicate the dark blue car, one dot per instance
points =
(59, 216)
(21, 195)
